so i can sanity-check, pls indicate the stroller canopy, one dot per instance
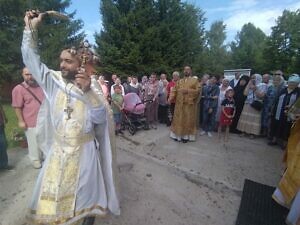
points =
(133, 103)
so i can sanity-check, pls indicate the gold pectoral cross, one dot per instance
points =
(68, 110)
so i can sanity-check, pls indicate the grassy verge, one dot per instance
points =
(11, 126)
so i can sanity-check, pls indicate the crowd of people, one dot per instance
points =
(267, 106)
(67, 116)
(252, 105)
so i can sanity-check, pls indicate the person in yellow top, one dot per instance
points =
(288, 190)
(185, 93)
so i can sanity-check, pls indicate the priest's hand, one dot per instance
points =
(32, 19)
(83, 81)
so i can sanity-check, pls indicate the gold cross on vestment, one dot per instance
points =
(68, 110)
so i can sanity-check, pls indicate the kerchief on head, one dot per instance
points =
(294, 78)
(258, 78)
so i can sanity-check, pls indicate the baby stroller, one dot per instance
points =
(133, 114)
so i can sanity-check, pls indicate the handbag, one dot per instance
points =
(256, 104)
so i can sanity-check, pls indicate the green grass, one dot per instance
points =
(11, 125)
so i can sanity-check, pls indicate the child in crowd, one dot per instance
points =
(117, 106)
(227, 114)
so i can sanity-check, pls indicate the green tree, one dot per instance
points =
(247, 50)
(142, 36)
(11, 26)
(215, 54)
(283, 45)
(54, 34)
(111, 38)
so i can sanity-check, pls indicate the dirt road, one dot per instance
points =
(163, 181)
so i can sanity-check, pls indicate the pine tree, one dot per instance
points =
(54, 34)
(11, 26)
(141, 36)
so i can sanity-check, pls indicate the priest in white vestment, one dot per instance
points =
(76, 181)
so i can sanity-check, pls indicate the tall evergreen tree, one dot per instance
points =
(11, 26)
(111, 41)
(247, 50)
(54, 34)
(140, 36)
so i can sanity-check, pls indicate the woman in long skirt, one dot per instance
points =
(250, 120)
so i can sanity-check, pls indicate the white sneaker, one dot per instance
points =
(202, 133)
(36, 164)
(209, 134)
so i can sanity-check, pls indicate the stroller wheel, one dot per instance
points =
(123, 127)
(146, 126)
(131, 129)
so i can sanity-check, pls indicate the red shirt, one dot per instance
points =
(171, 84)
(22, 98)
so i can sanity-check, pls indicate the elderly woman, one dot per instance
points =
(223, 88)
(280, 123)
(250, 120)
(272, 94)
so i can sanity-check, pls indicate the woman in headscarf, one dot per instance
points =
(250, 120)
(280, 123)
(239, 99)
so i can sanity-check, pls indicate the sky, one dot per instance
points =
(234, 13)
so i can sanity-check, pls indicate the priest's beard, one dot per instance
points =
(69, 75)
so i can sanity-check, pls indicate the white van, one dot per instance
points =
(230, 73)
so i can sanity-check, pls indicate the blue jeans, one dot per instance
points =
(3, 147)
(209, 120)
(265, 117)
